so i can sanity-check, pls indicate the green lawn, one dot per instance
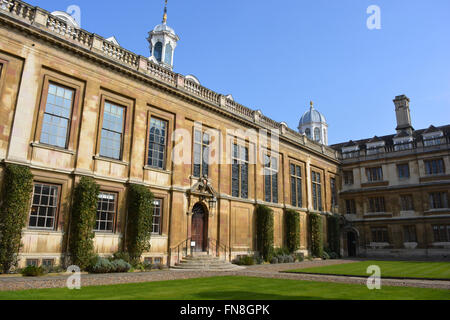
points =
(400, 269)
(231, 288)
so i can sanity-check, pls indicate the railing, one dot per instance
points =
(118, 53)
(202, 92)
(216, 247)
(398, 148)
(182, 250)
(18, 8)
(161, 73)
(237, 108)
(62, 28)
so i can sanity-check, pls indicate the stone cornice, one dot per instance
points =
(42, 25)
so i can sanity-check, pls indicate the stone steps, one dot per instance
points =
(203, 262)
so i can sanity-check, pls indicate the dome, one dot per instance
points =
(312, 116)
(164, 28)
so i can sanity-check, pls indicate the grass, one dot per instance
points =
(389, 269)
(231, 288)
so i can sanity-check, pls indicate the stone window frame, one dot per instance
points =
(348, 177)
(406, 164)
(381, 204)
(402, 202)
(128, 105)
(121, 193)
(427, 161)
(271, 154)
(409, 233)
(203, 130)
(57, 211)
(246, 145)
(350, 209)
(161, 215)
(440, 238)
(116, 212)
(303, 180)
(153, 112)
(164, 222)
(318, 205)
(334, 194)
(78, 87)
(379, 174)
(443, 199)
(380, 234)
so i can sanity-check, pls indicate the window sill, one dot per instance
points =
(149, 168)
(42, 231)
(52, 148)
(123, 163)
(374, 214)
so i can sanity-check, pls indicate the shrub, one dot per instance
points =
(245, 261)
(315, 222)
(84, 213)
(120, 266)
(281, 252)
(100, 265)
(300, 257)
(258, 259)
(15, 205)
(334, 232)
(292, 220)
(139, 223)
(121, 256)
(264, 231)
(53, 269)
(325, 256)
(274, 260)
(33, 271)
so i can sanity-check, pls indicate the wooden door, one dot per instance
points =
(199, 228)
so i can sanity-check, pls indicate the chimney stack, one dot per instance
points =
(403, 114)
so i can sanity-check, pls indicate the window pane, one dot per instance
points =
(106, 212)
(112, 131)
(157, 143)
(43, 210)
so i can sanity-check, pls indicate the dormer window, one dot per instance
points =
(375, 148)
(432, 137)
(350, 152)
(403, 144)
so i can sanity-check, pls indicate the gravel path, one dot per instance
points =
(262, 271)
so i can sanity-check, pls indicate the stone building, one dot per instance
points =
(75, 104)
(395, 191)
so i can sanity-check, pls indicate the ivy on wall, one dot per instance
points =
(84, 213)
(264, 231)
(139, 223)
(316, 231)
(334, 232)
(292, 222)
(15, 206)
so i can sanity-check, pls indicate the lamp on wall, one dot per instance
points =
(212, 203)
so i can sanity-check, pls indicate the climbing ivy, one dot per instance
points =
(82, 224)
(264, 231)
(139, 223)
(15, 206)
(316, 231)
(292, 222)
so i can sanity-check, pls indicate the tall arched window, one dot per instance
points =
(317, 134)
(325, 136)
(308, 133)
(168, 57)
(158, 51)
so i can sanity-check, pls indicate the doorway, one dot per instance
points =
(199, 231)
(351, 244)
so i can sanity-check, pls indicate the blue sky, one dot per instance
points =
(276, 56)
